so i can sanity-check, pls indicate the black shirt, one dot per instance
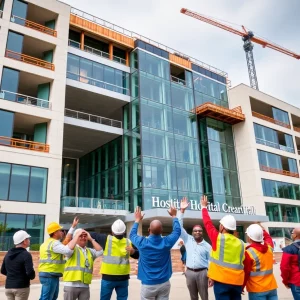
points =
(18, 268)
(101, 239)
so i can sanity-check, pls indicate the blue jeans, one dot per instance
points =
(225, 291)
(50, 288)
(295, 291)
(269, 295)
(108, 286)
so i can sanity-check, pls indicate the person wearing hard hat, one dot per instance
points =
(79, 266)
(115, 266)
(52, 263)
(258, 264)
(226, 268)
(290, 264)
(17, 266)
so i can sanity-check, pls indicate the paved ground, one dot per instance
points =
(178, 289)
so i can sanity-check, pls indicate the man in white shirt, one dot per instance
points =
(79, 266)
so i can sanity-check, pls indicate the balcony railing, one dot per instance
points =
(275, 145)
(29, 60)
(23, 99)
(96, 52)
(296, 128)
(23, 144)
(98, 83)
(92, 118)
(93, 203)
(278, 171)
(33, 25)
(271, 120)
(177, 80)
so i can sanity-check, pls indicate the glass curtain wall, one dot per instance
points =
(68, 177)
(282, 212)
(161, 151)
(218, 162)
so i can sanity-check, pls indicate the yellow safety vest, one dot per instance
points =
(261, 276)
(78, 267)
(115, 257)
(226, 262)
(50, 262)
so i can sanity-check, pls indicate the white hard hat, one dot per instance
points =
(228, 222)
(255, 233)
(20, 236)
(118, 227)
(77, 230)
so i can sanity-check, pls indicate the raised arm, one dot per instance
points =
(172, 238)
(133, 236)
(183, 206)
(212, 232)
(69, 235)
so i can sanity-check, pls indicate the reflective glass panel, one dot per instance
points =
(19, 183)
(4, 180)
(10, 83)
(38, 185)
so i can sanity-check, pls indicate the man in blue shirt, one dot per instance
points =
(155, 266)
(197, 252)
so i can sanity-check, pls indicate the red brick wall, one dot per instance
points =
(176, 262)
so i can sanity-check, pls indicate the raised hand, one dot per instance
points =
(172, 211)
(75, 222)
(204, 201)
(130, 250)
(184, 204)
(138, 214)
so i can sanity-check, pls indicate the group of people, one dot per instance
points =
(226, 263)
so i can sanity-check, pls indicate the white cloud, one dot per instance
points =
(278, 74)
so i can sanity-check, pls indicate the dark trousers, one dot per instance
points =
(225, 291)
(108, 286)
(197, 283)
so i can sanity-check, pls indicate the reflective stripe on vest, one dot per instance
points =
(49, 260)
(221, 261)
(258, 271)
(115, 260)
(78, 265)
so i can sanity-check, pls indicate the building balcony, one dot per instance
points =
(278, 171)
(97, 203)
(92, 118)
(269, 119)
(97, 52)
(23, 144)
(24, 99)
(29, 60)
(33, 25)
(226, 115)
(275, 145)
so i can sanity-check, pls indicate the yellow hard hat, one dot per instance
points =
(52, 227)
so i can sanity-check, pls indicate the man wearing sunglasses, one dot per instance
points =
(290, 264)
(197, 256)
(79, 266)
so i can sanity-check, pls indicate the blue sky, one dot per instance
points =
(161, 20)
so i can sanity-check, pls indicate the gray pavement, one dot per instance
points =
(178, 289)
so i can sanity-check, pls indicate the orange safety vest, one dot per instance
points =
(261, 276)
(226, 262)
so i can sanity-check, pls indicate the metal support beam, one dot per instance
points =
(248, 47)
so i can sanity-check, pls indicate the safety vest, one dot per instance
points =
(226, 262)
(78, 267)
(115, 257)
(50, 262)
(261, 275)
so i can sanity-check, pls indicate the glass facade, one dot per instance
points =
(10, 83)
(19, 9)
(11, 223)
(283, 212)
(96, 74)
(68, 177)
(23, 183)
(280, 115)
(6, 123)
(15, 42)
(279, 189)
(272, 138)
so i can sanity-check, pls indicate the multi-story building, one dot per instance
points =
(267, 148)
(96, 119)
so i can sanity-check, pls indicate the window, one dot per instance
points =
(6, 123)
(11, 223)
(15, 42)
(282, 212)
(19, 9)
(23, 183)
(280, 115)
(182, 97)
(10, 83)
(269, 160)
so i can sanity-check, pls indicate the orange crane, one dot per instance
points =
(248, 37)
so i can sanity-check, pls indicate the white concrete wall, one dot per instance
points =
(53, 160)
(246, 150)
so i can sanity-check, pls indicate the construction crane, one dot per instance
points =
(248, 38)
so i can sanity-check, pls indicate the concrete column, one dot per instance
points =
(111, 51)
(129, 226)
(82, 40)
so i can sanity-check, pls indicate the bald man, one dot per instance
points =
(155, 266)
(290, 264)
